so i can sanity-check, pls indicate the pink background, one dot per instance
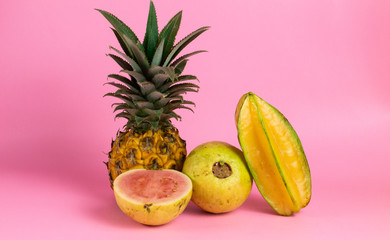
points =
(324, 64)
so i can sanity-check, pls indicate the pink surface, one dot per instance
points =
(324, 64)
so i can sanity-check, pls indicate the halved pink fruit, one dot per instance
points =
(152, 197)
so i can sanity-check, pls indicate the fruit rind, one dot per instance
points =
(152, 213)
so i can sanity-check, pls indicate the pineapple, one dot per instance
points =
(150, 89)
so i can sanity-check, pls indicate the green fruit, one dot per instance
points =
(221, 180)
(152, 197)
(274, 155)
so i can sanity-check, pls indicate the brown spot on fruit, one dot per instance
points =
(169, 137)
(147, 206)
(132, 156)
(147, 144)
(163, 148)
(221, 170)
(181, 203)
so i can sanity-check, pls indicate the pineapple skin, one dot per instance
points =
(153, 149)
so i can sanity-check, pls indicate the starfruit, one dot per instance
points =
(274, 155)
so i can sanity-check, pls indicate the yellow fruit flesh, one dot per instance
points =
(255, 146)
(289, 156)
(274, 155)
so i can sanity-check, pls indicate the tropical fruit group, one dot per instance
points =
(146, 154)
(220, 177)
(274, 155)
(152, 197)
(150, 90)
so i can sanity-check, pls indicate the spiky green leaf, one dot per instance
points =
(182, 86)
(154, 113)
(129, 60)
(141, 47)
(164, 88)
(187, 78)
(144, 104)
(154, 96)
(121, 86)
(136, 75)
(131, 111)
(169, 33)
(162, 102)
(124, 115)
(125, 99)
(153, 70)
(124, 65)
(181, 91)
(182, 102)
(180, 67)
(132, 84)
(169, 114)
(139, 120)
(154, 124)
(173, 107)
(178, 104)
(184, 57)
(139, 54)
(125, 108)
(133, 97)
(170, 71)
(185, 107)
(123, 45)
(157, 57)
(182, 44)
(160, 79)
(151, 35)
(119, 26)
(121, 107)
(147, 87)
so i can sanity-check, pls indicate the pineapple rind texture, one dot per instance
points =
(161, 149)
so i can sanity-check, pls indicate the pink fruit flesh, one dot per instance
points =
(153, 186)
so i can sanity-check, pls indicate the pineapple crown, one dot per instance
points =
(153, 88)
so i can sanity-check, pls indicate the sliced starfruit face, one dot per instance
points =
(274, 155)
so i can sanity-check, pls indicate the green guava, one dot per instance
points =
(220, 177)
